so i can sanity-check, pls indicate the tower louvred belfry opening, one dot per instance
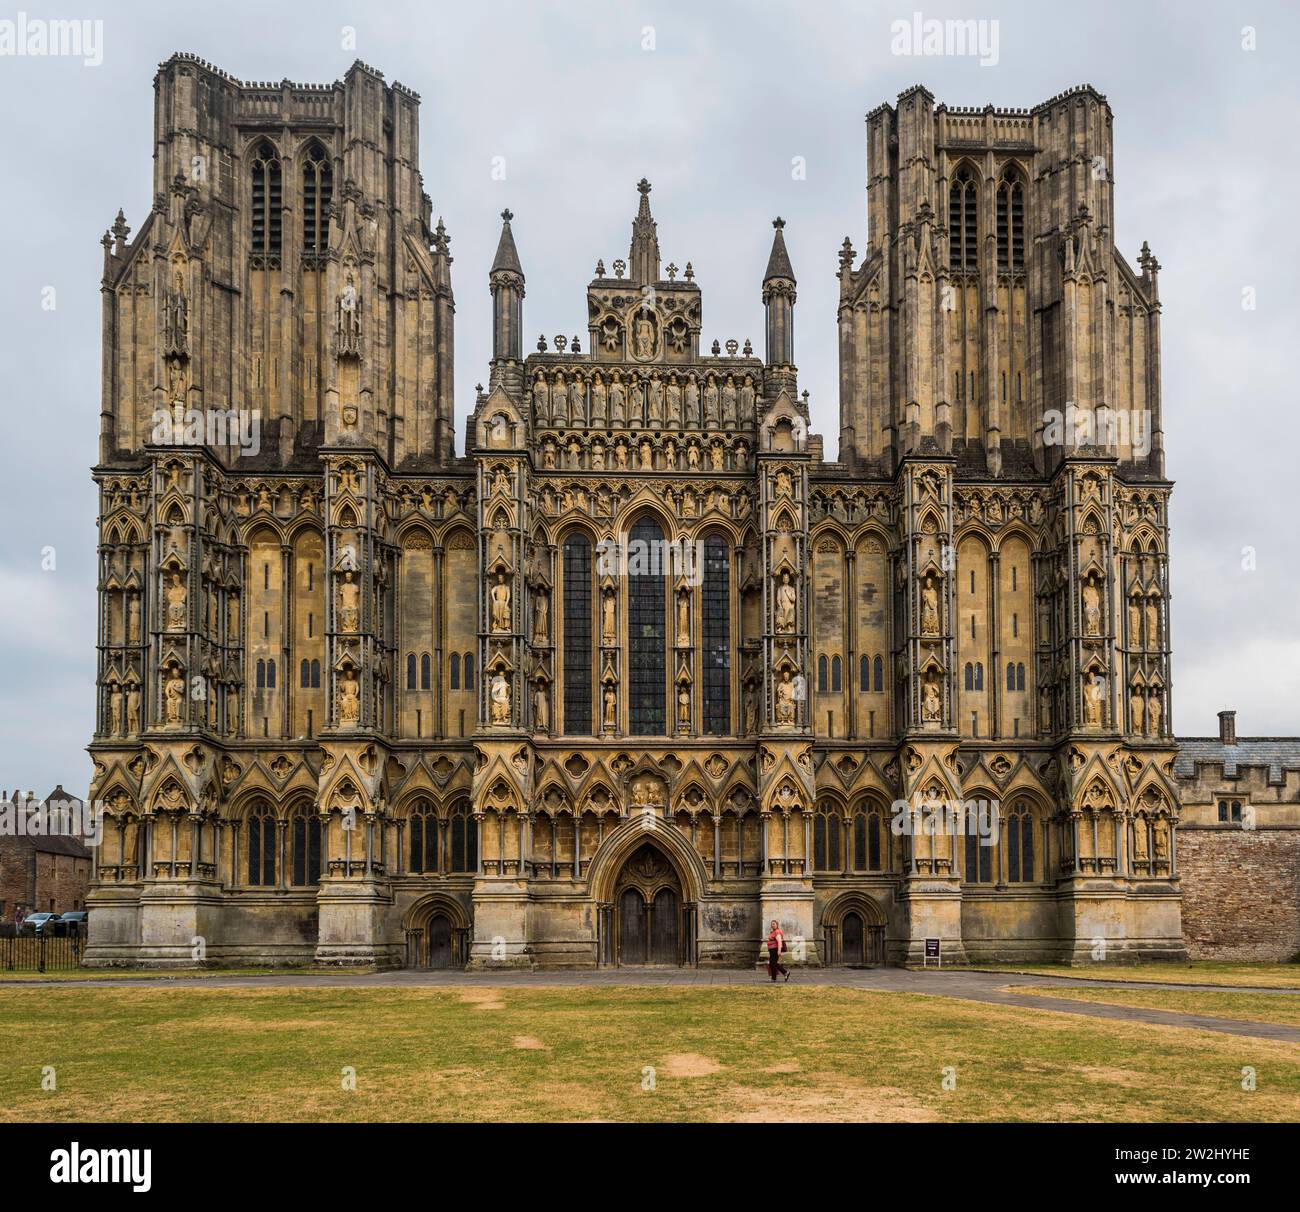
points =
(639, 669)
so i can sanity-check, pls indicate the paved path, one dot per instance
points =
(990, 987)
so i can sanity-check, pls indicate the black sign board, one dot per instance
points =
(932, 948)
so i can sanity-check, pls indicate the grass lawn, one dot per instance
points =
(485, 1053)
(1257, 1007)
(74, 975)
(1195, 972)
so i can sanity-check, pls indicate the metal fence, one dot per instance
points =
(41, 953)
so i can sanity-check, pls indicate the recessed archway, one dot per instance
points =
(853, 931)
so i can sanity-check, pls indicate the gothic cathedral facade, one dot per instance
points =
(638, 670)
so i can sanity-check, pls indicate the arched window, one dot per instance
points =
(826, 837)
(469, 671)
(1020, 675)
(879, 669)
(979, 856)
(425, 671)
(463, 853)
(268, 206)
(578, 643)
(454, 683)
(716, 636)
(317, 192)
(422, 848)
(1019, 833)
(647, 672)
(864, 674)
(969, 675)
(304, 835)
(821, 675)
(261, 845)
(1011, 221)
(261, 674)
(963, 224)
(860, 842)
(304, 673)
(410, 671)
(837, 675)
(270, 675)
(1011, 675)
(315, 675)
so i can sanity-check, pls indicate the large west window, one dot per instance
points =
(647, 675)
(716, 637)
(578, 673)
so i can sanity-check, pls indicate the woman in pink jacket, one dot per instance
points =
(775, 945)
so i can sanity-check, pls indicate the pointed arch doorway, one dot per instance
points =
(650, 929)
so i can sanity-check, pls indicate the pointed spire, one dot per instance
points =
(644, 255)
(778, 264)
(507, 258)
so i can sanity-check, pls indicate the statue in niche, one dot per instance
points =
(1141, 854)
(578, 403)
(575, 453)
(670, 455)
(176, 320)
(684, 707)
(729, 401)
(500, 604)
(644, 336)
(115, 710)
(349, 604)
(1153, 623)
(647, 455)
(620, 455)
(674, 401)
(347, 320)
(232, 618)
(607, 632)
(1153, 714)
(1094, 695)
(786, 600)
(559, 401)
(655, 401)
(683, 619)
(132, 618)
(501, 482)
(500, 698)
(784, 484)
(541, 708)
(716, 456)
(548, 453)
(541, 609)
(1136, 705)
(1160, 835)
(691, 403)
(132, 710)
(742, 456)
(929, 606)
(693, 457)
(598, 455)
(931, 703)
(751, 708)
(785, 709)
(711, 401)
(1091, 606)
(611, 706)
(349, 699)
(176, 604)
(599, 398)
(617, 413)
(1135, 622)
(747, 401)
(541, 400)
(173, 694)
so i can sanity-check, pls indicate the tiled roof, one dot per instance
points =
(1275, 752)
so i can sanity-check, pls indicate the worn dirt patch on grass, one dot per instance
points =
(688, 1064)
(483, 999)
(529, 1043)
(832, 1100)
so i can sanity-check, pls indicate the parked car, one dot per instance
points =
(74, 922)
(41, 923)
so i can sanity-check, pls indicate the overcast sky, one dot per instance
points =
(711, 101)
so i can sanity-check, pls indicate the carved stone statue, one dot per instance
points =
(541, 611)
(349, 700)
(785, 709)
(644, 335)
(786, 599)
(691, 403)
(1153, 623)
(1160, 835)
(132, 710)
(500, 697)
(1091, 607)
(684, 707)
(173, 694)
(1094, 694)
(501, 604)
(611, 706)
(931, 703)
(1153, 714)
(655, 401)
(1140, 843)
(684, 618)
(599, 398)
(1135, 623)
(711, 401)
(541, 708)
(132, 618)
(347, 320)
(729, 401)
(115, 710)
(674, 402)
(1136, 706)
(541, 401)
(608, 635)
(176, 604)
(929, 607)
(349, 604)
(751, 709)
(616, 398)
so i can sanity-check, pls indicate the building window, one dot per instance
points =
(716, 637)
(268, 206)
(304, 833)
(1020, 845)
(261, 846)
(261, 675)
(878, 667)
(1011, 222)
(963, 226)
(469, 671)
(309, 674)
(1230, 811)
(426, 671)
(463, 856)
(646, 656)
(270, 675)
(454, 682)
(422, 853)
(578, 672)
(317, 193)
(821, 675)
(410, 671)
(826, 838)
(979, 860)
(837, 675)
(864, 675)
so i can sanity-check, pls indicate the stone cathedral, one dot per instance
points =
(637, 669)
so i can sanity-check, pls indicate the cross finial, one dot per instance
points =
(507, 214)
(778, 223)
(643, 186)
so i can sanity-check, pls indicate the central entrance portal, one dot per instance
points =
(648, 902)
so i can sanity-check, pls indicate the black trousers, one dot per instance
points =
(774, 963)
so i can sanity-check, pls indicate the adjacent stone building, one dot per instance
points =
(1239, 839)
(639, 670)
(41, 871)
